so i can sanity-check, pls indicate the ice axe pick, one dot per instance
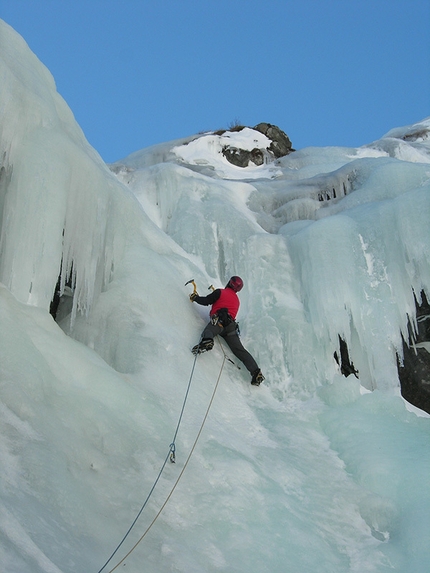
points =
(194, 285)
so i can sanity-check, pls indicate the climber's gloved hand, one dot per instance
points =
(193, 296)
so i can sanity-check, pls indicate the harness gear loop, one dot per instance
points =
(215, 320)
(222, 318)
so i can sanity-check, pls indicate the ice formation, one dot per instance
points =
(310, 472)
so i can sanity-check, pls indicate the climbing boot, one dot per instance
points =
(204, 346)
(257, 378)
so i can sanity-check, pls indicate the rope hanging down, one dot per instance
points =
(171, 456)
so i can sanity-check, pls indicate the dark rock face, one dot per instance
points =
(414, 373)
(242, 157)
(280, 145)
(346, 366)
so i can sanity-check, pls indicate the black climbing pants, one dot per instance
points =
(230, 335)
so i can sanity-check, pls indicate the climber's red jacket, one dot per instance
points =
(221, 298)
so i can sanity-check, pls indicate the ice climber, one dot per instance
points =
(225, 306)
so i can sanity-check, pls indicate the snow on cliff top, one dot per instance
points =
(207, 151)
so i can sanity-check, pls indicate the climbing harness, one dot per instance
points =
(171, 456)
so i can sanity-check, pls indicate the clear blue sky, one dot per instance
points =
(140, 72)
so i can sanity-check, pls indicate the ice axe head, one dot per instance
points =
(193, 283)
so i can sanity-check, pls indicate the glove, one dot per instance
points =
(193, 296)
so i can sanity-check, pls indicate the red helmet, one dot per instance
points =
(235, 283)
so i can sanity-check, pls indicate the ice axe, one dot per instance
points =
(192, 281)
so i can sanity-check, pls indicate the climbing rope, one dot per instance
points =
(226, 357)
(171, 456)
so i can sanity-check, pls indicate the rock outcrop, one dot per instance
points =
(414, 372)
(280, 145)
(346, 366)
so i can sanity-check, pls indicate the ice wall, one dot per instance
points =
(58, 200)
(308, 472)
(335, 240)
